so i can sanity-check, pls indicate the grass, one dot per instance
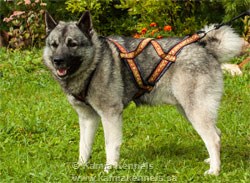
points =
(39, 133)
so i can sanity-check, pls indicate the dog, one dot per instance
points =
(99, 85)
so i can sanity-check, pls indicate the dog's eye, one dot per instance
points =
(72, 44)
(54, 45)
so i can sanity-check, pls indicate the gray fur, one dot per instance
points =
(194, 83)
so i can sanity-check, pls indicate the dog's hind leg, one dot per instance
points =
(208, 132)
(200, 108)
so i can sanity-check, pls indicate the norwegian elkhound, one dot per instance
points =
(98, 83)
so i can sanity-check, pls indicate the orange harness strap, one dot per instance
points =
(169, 57)
(129, 57)
(166, 60)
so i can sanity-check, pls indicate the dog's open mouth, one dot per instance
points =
(62, 72)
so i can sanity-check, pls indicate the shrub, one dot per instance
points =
(126, 17)
(246, 31)
(26, 27)
(155, 31)
(182, 15)
(106, 18)
(5, 9)
(234, 8)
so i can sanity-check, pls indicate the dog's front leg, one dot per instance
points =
(88, 121)
(112, 124)
(88, 128)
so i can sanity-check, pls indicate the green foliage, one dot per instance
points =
(5, 9)
(246, 31)
(96, 6)
(127, 17)
(181, 15)
(122, 17)
(26, 27)
(154, 30)
(104, 16)
(234, 8)
(57, 8)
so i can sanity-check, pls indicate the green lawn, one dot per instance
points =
(39, 133)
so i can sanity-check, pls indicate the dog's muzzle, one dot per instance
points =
(60, 66)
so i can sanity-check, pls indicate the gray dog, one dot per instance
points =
(99, 84)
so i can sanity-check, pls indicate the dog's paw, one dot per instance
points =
(81, 162)
(76, 165)
(108, 167)
(212, 172)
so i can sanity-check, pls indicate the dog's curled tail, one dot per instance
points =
(223, 43)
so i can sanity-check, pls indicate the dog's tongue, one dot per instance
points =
(62, 72)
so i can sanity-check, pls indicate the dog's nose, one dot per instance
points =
(58, 60)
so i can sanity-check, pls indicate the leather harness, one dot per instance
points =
(167, 58)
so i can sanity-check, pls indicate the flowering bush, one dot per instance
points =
(26, 27)
(155, 31)
(186, 16)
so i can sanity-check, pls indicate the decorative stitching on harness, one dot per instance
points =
(133, 67)
(161, 53)
(138, 50)
(183, 43)
(170, 56)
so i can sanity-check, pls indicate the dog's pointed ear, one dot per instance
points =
(49, 22)
(85, 24)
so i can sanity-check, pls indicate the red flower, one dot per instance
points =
(167, 28)
(137, 35)
(153, 24)
(159, 37)
(144, 30)
(154, 31)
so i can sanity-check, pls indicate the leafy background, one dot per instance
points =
(122, 17)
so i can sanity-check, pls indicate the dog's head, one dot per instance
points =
(68, 45)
